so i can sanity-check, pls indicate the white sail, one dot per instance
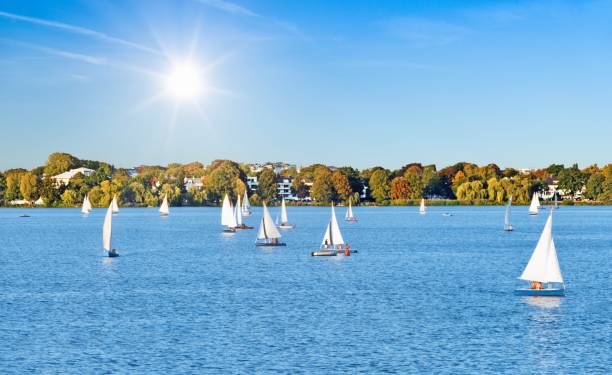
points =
(89, 207)
(246, 205)
(349, 212)
(226, 212)
(84, 207)
(114, 205)
(107, 229)
(332, 234)
(507, 216)
(238, 213)
(535, 203)
(422, 208)
(164, 209)
(543, 265)
(284, 212)
(267, 229)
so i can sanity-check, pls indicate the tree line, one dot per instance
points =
(463, 182)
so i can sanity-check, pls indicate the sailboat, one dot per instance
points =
(86, 207)
(543, 267)
(164, 210)
(422, 207)
(349, 213)
(535, 204)
(238, 216)
(556, 203)
(268, 235)
(246, 205)
(332, 238)
(114, 205)
(284, 224)
(107, 233)
(228, 216)
(507, 225)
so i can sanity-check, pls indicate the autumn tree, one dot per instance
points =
(59, 162)
(399, 188)
(322, 186)
(27, 186)
(342, 187)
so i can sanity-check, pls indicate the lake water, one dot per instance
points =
(424, 294)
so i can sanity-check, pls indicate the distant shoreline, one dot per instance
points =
(410, 203)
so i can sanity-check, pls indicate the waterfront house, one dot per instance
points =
(64, 178)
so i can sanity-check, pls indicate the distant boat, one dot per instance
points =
(114, 205)
(507, 225)
(164, 209)
(107, 233)
(246, 205)
(543, 267)
(556, 203)
(284, 221)
(349, 213)
(332, 238)
(422, 207)
(86, 207)
(228, 216)
(447, 214)
(535, 204)
(238, 216)
(268, 235)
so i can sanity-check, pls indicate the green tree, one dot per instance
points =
(322, 186)
(2, 188)
(571, 179)
(595, 186)
(439, 186)
(267, 187)
(59, 162)
(13, 182)
(70, 197)
(341, 186)
(379, 185)
(220, 181)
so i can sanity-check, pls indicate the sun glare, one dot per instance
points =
(184, 81)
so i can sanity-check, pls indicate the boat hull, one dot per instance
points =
(264, 244)
(244, 227)
(351, 219)
(324, 253)
(113, 254)
(548, 292)
(229, 231)
(509, 228)
(286, 226)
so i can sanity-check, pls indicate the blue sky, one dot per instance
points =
(360, 83)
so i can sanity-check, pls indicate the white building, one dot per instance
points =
(284, 188)
(193, 182)
(252, 183)
(64, 178)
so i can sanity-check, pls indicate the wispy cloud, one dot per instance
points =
(77, 30)
(240, 10)
(57, 52)
(228, 7)
(422, 32)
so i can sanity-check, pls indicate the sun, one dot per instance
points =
(184, 81)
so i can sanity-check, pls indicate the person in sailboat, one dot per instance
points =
(326, 245)
(347, 250)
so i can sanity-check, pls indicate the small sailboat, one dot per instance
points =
(332, 238)
(535, 204)
(107, 233)
(238, 215)
(114, 205)
(543, 267)
(246, 205)
(164, 209)
(507, 226)
(228, 216)
(86, 207)
(556, 203)
(284, 224)
(349, 213)
(268, 235)
(422, 207)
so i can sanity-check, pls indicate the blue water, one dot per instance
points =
(425, 294)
